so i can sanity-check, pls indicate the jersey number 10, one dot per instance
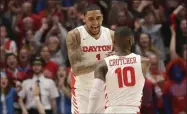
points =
(123, 76)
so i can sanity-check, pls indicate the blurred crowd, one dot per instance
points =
(39, 27)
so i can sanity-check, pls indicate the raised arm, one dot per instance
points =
(172, 48)
(145, 65)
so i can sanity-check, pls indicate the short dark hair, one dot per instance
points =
(37, 60)
(122, 32)
(91, 7)
(7, 55)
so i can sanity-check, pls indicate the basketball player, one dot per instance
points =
(123, 75)
(87, 45)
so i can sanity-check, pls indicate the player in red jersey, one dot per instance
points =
(123, 76)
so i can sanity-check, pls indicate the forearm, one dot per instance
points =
(54, 107)
(38, 36)
(63, 31)
(98, 87)
(140, 8)
(39, 105)
(178, 9)
(22, 105)
(172, 49)
(83, 69)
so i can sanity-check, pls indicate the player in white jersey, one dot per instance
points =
(87, 45)
(123, 76)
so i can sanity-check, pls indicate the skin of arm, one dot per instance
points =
(98, 86)
(22, 105)
(54, 106)
(145, 65)
(76, 57)
(178, 9)
(101, 70)
(172, 48)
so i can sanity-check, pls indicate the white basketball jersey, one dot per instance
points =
(124, 81)
(93, 50)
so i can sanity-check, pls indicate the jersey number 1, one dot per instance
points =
(123, 78)
(98, 56)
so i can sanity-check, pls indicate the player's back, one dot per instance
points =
(124, 83)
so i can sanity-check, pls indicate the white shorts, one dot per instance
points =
(122, 110)
(80, 95)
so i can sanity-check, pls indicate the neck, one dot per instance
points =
(11, 69)
(96, 36)
(37, 74)
(23, 64)
(47, 60)
(121, 52)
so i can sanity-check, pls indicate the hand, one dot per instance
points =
(182, 113)
(45, 26)
(146, 3)
(18, 86)
(36, 90)
(54, 28)
(25, 112)
(137, 24)
(172, 28)
(55, 19)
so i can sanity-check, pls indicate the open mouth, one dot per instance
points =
(95, 28)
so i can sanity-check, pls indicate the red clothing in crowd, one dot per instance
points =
(16, 75)
(52, 67)
(178, 94)
(147, 99)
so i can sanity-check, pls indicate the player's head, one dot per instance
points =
(93, 18)
(124, 38)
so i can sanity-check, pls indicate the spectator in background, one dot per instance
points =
(153, 95)
(48, 91)
(173, 52)
(122, 16)
(55, 40)
(50, 67)
(64, 100)
(30, 43)
(175, 87)
(145, 48)
(138, 7)
(6, 44)
(11, 70)
(7, 95)
(154, 30)
(24, 62)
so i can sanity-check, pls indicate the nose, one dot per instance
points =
(95, 22)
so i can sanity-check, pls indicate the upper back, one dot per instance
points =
(124, 79)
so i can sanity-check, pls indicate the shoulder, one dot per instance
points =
(111, 31)
(73, 32)
(26, 82)
(73, 35)
(48, 80)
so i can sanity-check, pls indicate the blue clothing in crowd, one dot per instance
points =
(9, 99)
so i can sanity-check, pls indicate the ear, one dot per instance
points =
(84, 19)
